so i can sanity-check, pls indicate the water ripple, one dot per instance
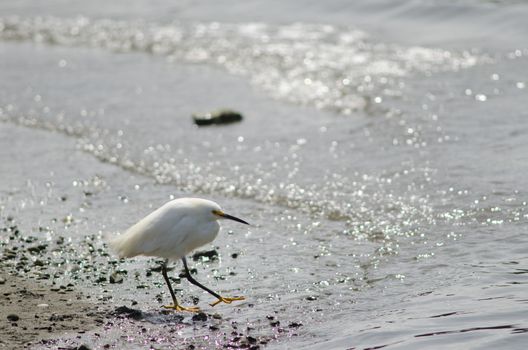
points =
(332, 67)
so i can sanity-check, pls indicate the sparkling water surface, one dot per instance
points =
(384, 173)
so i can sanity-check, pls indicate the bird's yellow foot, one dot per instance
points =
(226, 300)
(178, 307)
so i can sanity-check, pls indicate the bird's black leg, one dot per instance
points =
(164, 273)
(196, 283)
(176, 306)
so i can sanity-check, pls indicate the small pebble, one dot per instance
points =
(205, 256)
(116, 278)
(39, 263)
(199, 317)
(13, 317)
(101, 279)
(128, 312)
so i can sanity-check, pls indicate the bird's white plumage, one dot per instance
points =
(171, 231)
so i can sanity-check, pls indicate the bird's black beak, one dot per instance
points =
(230, 217)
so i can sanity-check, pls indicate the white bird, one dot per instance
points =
(171, 232)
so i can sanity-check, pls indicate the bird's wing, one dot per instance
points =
(158, 234)
(167, 240)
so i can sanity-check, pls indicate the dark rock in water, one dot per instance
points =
(39, 263)
(251, 340)
(9, 254)
(159, 298)
(199, 317)
(13, 317)
(124, 311)
(234, 255)
(2, 280)
(116, 278)
(221, 116)
(295, 324)
(101, 279)
(311, 298)
(205, 255)
(37, 249)
(84, 347)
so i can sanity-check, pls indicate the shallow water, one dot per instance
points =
(382, 159)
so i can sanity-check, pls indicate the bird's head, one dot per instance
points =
(221, 215)
(210, 210)
(214, 212)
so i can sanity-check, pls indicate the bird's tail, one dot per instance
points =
(122, 245)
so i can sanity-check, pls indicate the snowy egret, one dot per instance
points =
(171, 232)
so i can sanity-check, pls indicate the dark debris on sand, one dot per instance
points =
(124, 311)
(204, 256)
(29, 270)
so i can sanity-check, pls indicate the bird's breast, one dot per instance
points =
(205, 233)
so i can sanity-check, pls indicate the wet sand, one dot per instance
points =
(38, 313)
(32, 313)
